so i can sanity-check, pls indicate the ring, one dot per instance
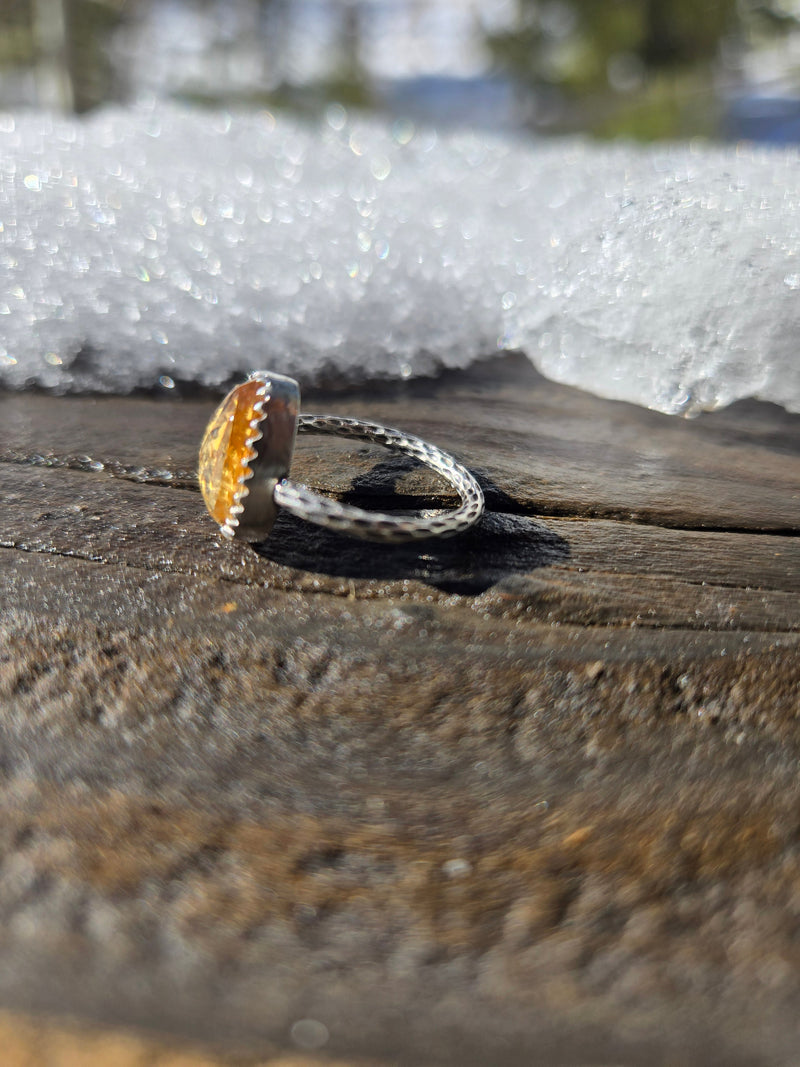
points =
(246, 453)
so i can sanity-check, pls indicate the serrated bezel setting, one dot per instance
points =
(238, 482)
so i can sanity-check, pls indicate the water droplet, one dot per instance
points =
(336, 116)
(381, 168)
(403, 131)
(309, 1034)
(456, 868)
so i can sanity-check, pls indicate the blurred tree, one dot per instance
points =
(349, 83)
(632, 66)
(661, 33)
(89, 24)
(63, 43)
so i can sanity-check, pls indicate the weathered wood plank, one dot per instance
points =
(277, 784)
(547, 448)
(589, 573)
(531, 793)
(33, 1041)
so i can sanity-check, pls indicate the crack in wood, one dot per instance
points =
(182, 479)
(564, 605)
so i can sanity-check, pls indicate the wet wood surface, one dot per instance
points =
(528, 795)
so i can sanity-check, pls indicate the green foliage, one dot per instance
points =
(661, 33)
(670, 105)
(667, 47)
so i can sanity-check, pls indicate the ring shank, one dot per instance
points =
(374, 525)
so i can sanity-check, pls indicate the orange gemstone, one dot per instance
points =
(224, 453)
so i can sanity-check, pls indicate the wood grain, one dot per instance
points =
(527, 795)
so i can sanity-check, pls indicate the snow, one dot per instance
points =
(159, 244)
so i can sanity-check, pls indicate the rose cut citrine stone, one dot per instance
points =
(224, 452)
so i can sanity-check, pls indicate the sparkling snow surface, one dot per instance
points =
(147, 246)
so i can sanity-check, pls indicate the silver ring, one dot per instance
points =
(246, 454)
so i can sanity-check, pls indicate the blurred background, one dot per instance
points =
(648, 69)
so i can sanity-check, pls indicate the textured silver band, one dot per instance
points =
(375, 525)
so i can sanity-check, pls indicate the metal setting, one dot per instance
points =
(374, 525)
(263, 486)
(271, 445)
